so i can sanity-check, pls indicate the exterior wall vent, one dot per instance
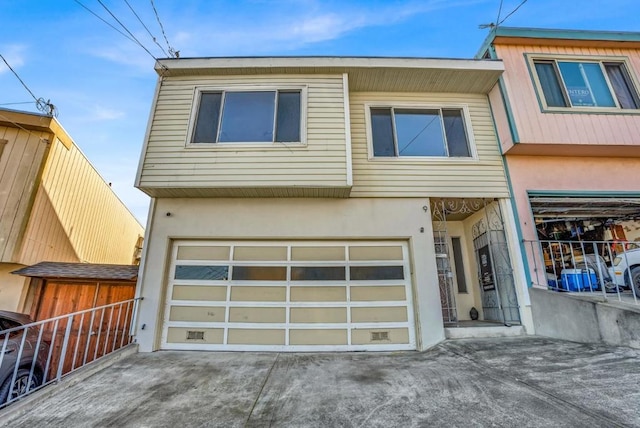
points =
(377, 336)
(195, 335)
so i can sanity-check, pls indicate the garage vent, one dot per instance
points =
(195, 335)
(377, 336)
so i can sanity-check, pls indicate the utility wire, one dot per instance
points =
(146, 28)
(103, 20)
(511, 13)
(14, 104)
(127, 30)
(499, 11)
(42, 105)
(18, 77)
(172, 51)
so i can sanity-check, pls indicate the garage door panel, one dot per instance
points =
(245, 336)
(318, 337)
(318, 294)
(289, 296)
(194, 292)
(195, 336)
(197, 313)
(258, 294)
(318, 315)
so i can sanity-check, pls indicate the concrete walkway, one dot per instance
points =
(509, 382)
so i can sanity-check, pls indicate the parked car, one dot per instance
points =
(626, 270)
(24, 380)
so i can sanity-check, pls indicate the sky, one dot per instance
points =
(102, 84)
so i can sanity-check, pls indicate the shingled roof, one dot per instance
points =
(80, 271)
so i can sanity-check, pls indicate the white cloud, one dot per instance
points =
(104, 113)
(15, 56)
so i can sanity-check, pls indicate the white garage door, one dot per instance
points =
(289, 296)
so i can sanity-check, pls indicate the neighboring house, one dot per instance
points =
(567, 110)
(324, 204)
(54, 206)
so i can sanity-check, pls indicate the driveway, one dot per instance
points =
(517, 382)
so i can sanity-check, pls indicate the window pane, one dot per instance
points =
(318, 273)
(288, 118)
(202, 272)
(259, 273)
(379, 273)
(455, 132)
(627, 96)
(419, 133)
(586, 85)
(208, 115)
(247, 117)
(550, 84)
(382, 132)
(457, 258)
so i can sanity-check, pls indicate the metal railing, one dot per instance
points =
(43, 352)
(608, 268)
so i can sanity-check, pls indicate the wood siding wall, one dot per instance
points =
(535, 126)
(391, 177)
(168, 164)
(76, 216)
(21, 158)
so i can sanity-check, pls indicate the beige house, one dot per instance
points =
(303, 204)
(54, 206)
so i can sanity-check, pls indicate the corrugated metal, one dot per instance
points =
(536, 127)
(392, 177)
(320, 163)
(76, 216)
(20, 164)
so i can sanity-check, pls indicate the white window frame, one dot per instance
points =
(531, 59)
(199, 90)
(466, 117)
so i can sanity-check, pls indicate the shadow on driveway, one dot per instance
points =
(514, 382)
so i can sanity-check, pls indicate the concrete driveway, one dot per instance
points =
(520, 382)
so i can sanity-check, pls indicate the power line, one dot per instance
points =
(146, 28)
(18, 77)
(511, 13)
(42, 105)
(499, 11)
(172, 51)
(103, 20)
(127, 30)
(15, 104)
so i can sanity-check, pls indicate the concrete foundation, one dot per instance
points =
(584, 319)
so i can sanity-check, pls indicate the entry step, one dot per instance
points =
(483, 331)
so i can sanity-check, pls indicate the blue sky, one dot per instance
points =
(102, 83)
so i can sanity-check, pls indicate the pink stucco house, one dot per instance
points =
(567, 112)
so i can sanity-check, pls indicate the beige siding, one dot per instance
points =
(321, 163)
(76, 216)
(391, 177)
(21, 157)
(560, 128)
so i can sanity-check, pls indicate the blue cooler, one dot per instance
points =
(578, 279)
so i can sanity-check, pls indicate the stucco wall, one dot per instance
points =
(12, 288)
(229, 219)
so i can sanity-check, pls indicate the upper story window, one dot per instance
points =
(255, 116)
(589, 84)
(429, 132)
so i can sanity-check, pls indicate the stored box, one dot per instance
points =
(578, 279)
